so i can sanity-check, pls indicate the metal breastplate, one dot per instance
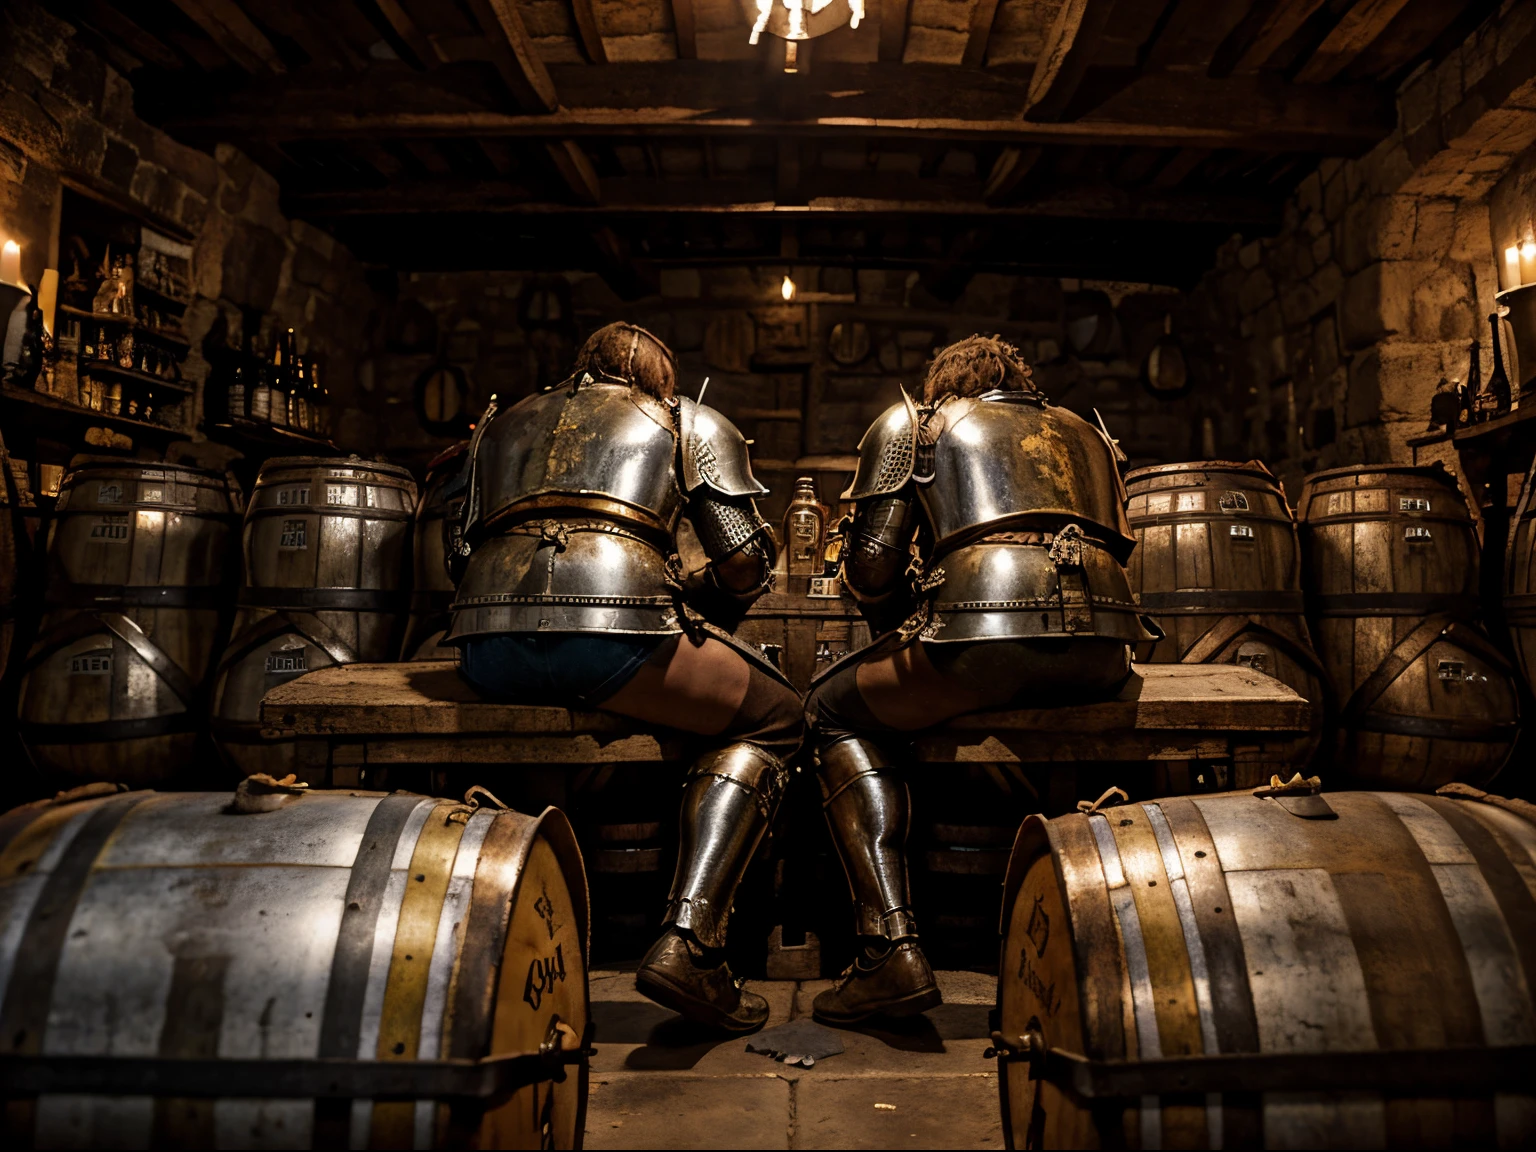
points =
(603, 448)
(1008, 458)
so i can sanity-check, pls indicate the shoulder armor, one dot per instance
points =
(714, 453)
(886, 453)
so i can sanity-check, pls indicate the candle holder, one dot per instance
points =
(13, 323)
(1519, 321)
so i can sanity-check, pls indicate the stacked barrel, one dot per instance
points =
(1421, 696)
(327, 570)
(1520, 581)
(139, 560)
(1218, 567)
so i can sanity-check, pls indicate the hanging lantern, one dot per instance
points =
(800, 19)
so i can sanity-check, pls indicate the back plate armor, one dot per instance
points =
(1026, 511)
(575, 498)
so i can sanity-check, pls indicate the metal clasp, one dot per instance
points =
(1028, 1048)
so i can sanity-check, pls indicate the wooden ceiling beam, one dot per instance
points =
(514, 54)
(1260, 34)
(1171, 109)
(231, 29)
(405, 33)
(1069, 49)
(686, 28)
(1356, 31)
(586, 30)
(632, 197)
(115, 26)
(576, 170)
(1008, 172)
(982, 18)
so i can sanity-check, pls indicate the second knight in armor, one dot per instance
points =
(572, 593)
(987, 542)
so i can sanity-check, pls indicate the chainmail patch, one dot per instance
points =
(895, 463)
(723, 527)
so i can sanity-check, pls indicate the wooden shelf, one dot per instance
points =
(140, 286)
(269, 439)
(61, 416)
(1514, 430)
(104, 368)
(128, 322)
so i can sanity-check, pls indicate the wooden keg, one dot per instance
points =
(1344, 970)
(432, 590)
(1421, 697)
(1520, 582)
(140, 570)
(177, 964)
(10, 558)
(1218, 567)
(327, 568)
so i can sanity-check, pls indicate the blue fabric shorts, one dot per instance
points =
(568, 669)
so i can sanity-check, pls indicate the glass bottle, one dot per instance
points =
(319, 401)
(805, 535)
(235, 395)
(1498, 383)
(282, 377)
(260, 386)
(298, 398)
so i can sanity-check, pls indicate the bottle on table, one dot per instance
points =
(805, 535)
(1498, 383)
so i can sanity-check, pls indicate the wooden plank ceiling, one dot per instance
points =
(1118, 138)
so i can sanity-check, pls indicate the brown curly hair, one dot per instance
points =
(627, 354)
(975, 365)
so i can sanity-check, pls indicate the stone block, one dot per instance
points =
(1249, 255)
(27, 126)
(935, 1112)
(1322, 249)
(681, 283)
(81, 77)
(1257, 290)
(1335, 197)
(118, 164)
(1309, 194)
(1377, 301)
(660, 1110)
(192, 211)
(1325, 347)
(253, 261)
(13, 163)
(1377, 228)
(1443, 306)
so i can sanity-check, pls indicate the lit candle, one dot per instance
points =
(10, 262)
(1511, 267)
(1528, 261)
(48, 297)
(787, 289)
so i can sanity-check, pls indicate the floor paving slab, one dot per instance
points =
(668, 1110)
(920, 1112)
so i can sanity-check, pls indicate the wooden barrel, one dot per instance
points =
(1520, 581)
(176, 965)
(138, 588)
(432, 590)
(327, 568)
(1421, 697)
(1218, 567)
(1367, 958)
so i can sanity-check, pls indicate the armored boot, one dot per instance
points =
(728, 802)
(869, 812)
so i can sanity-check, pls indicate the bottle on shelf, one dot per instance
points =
(805, 535)
(282, 378)
(1477, 397)
(319, 400)
(260, 389)
(1498, 382)
(298, 400)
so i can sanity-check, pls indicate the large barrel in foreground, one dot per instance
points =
(1367, 957)
(327, 569)
(1520, 581)
(1421, 696)
(154, 937)
(139, 587)
(1217, 565)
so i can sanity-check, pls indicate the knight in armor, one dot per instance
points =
(572, 593)
(987, 544)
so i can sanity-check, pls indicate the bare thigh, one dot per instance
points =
(906, 692)
(694, 687)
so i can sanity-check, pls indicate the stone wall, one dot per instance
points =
(1369, 299)
(65, 113)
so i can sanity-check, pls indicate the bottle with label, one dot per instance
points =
(236, 388)
(319, 401)
(282, 378)
(805, 535)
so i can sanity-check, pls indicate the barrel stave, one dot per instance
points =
(1291, 932)
(332, 926)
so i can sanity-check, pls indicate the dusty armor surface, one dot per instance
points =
(575, 496)
(281, 929)
(1026, 511)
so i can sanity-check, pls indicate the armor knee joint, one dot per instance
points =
(846, 761)
(748, 767)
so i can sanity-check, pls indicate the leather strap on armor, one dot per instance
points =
(869, 814)
(728, 802)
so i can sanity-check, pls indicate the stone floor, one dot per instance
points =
(660, 1083)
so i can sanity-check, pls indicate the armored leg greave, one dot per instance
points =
(869, 812)
(728, 802)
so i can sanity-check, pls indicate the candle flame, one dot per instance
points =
(1528, 250)
(787, 289)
